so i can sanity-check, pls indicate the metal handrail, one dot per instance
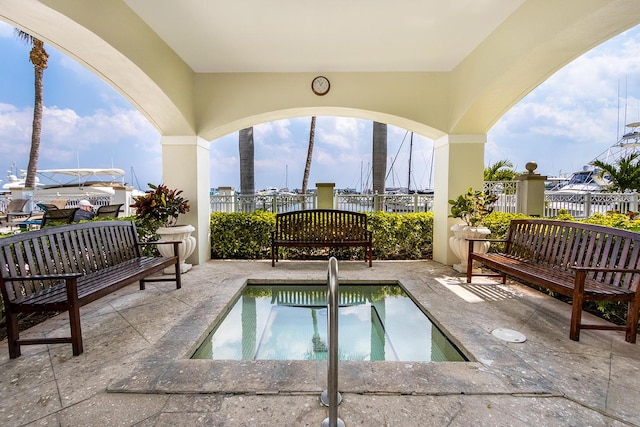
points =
(332, 393)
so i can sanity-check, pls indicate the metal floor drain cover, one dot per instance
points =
(508, 335)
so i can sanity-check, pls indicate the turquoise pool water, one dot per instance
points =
(289, 322)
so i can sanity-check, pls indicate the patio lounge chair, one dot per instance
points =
(46, 207)
(59, 203)
(109, 211)
(14, 210)
(60, 216)
(35, 219)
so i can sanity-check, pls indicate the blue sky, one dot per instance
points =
(563, 124)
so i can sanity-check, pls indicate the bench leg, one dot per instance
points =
(576, 318)
(576, 305)
(274, 255)
(13, 335)
(74, 316)
(632, 321)
(76, 330)
(178, 274)
(370, 252)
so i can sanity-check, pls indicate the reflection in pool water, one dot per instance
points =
(289, 322)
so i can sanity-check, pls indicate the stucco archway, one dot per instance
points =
(186, 67)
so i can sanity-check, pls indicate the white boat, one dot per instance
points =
(71, 182)
(628, 144)
(588, 180)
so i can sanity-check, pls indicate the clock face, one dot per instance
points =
(320, 85)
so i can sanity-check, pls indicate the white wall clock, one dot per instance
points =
(320, 85)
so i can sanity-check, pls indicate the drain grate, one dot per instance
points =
(508, 335)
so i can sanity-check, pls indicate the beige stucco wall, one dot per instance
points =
(228, 102)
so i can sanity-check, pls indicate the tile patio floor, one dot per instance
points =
(134, 371)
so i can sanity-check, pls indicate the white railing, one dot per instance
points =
(277, 203)
(506, 191)
(584, 205)
(578, 205)
(399, 203)
(73, 200)
(395, 203)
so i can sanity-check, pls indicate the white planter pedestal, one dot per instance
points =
(181, 233)
(460, 246)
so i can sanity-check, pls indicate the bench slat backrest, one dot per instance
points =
(77, 248)
(566, 244)
(321, 225)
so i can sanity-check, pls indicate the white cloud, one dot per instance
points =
(340, 132)
(278, 128)
(576, 114)
(96, 140)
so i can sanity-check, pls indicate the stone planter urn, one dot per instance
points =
(181, 233)
(460, 246)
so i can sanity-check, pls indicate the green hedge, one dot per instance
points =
(401, 236)
(241, 235)
(247, 236)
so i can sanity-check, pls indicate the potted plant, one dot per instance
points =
(158, 210)
(472, 208)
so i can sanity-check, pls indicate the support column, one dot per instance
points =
(325, 194)
(185, 166)
(458, 165)
(530, 196)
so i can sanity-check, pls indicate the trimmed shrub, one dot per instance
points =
(401, 236)
(241, 235)
(248, 236)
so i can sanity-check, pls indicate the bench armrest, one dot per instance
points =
(175, 244)
(472, 240)
(64, 276)
(70, 282)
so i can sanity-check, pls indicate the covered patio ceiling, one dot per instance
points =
(332, 35)
(437, 67)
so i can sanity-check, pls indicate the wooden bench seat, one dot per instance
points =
(321, 228)
(585, 262)
(64, 268)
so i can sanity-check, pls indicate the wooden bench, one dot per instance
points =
(321, 228)
(583, 261)
(64, 268)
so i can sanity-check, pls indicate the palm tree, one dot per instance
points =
(379, 160)
(502, 170)
(624, 175)
(247, 181)
(307, 167)
(39, 58)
